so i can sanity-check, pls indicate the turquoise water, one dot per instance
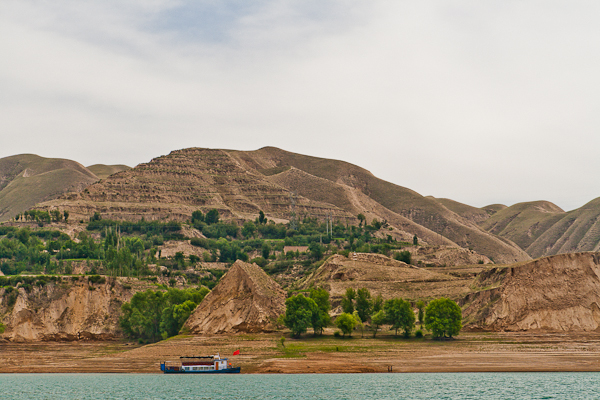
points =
(453, 386)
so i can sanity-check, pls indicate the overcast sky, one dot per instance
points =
(478, 101)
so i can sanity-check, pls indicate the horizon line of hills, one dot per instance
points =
(239, 184)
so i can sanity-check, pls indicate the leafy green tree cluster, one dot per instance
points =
(302, 312)
(152, 315)
(403, 256)
(399, 314)
(346, 323)
(443, 317)
(362, 302)
(169, 229)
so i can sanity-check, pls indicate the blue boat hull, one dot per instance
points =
(220, 371)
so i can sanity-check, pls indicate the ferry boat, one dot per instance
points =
(199, 365)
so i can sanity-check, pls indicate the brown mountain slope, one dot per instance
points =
(28, 179)
(240, 183)
(542, 229)
(245, 300)
(405, 202)
(523, 223)
(175, 185)
(577, 230)
(103, 171)
(473, 214)
(556, 293)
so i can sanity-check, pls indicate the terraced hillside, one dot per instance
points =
(28, 179)
(400, 201)
(239, 184)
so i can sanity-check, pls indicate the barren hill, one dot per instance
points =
(240, 183)
(555, 293)
(245, 300)
(427, 212)
(542, 228)
(28, 179)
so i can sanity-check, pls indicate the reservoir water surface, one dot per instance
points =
(451, 386)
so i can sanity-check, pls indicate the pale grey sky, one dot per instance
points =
(481, 102)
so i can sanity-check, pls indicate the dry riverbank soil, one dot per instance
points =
(263, 353)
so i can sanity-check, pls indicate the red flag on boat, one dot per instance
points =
(235, 353)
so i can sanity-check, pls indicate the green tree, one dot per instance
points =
(2, 328)
(359, 323)
(298, 315)
(399, 314)
(443, 318)
(261, 218)
(361, 218)
(321, 318)
(197, 216)
(421, 308)
(377, 320)
(212, 216)
(346, 323)
(415, 240)
(248, 229)
(377, 303)
(364, 306)
(66, 215)
(142, 317)
(180, 259)
(348, 301)
(266, 250)
(316, 250)
(403, 256)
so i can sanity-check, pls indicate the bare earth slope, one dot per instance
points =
(64, 311)
(104, 171)
(542, 229)
(245, 300)
(473, 214)
(175, 185)
(240, 183)
(28, 179)
(424, 211)
(560, 292)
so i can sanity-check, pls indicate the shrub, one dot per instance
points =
(337, 334)
(96, 279)
(419, 333)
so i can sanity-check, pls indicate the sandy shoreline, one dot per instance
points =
(263, 353)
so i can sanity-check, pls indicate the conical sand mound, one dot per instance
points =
(245, 300)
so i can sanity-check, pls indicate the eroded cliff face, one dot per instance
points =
(554, 293)
(245, 300)
(64, 310)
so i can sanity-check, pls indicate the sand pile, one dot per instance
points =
(245, 300)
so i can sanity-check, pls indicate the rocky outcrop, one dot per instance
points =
(63, 310)
(554, 293)
(245, 300)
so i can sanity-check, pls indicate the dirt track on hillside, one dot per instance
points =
(263, 353)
